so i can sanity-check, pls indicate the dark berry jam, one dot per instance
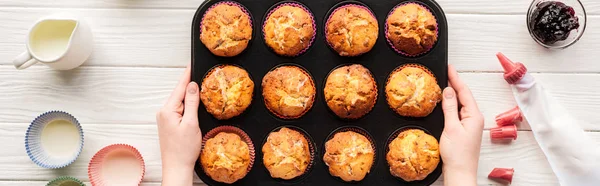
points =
(553, 21)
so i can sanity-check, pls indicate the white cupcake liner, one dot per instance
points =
(33, 143)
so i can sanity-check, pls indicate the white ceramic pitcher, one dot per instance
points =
(61, 41)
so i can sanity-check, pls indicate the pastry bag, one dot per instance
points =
(573, 155)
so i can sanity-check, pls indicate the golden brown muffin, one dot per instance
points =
(286, 154)
(350, 91)
(412, 29)
(226, 29)
(349, 156)
(288, 91)
(413, 155)
(351, 30)
(225, 158)
(412, 91)
(226, 91)
(289, 30)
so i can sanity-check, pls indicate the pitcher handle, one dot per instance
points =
(24, 61)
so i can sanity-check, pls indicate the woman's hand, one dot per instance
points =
(179, 133)
(461, 140)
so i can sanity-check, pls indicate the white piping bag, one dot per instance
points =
(573, 156)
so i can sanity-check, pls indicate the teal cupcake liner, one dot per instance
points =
(65, 180)
(33, 141)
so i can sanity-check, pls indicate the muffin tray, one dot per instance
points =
(320, 122)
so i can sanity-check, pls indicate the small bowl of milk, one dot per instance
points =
(54, 140)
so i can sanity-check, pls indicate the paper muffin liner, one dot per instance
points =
(351, 4)
(360, 131)
(65, 180)
(394, 135)
(237, 131)
(399, 68)
(312, 82)
(231, 3)
(33, 140)
(212, 70)
(391, 44)
(97, 161)
(298, 5)
(375, 86)
(311, 148)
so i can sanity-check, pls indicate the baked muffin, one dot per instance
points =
(226, 29)
(413, 155)
(350, 91)
(412, 91)
(286, 154)
(351, 30)
(225, 158)
(226, 91)
(349, 156)
(288, 91)
(411, 29)
(289, 29)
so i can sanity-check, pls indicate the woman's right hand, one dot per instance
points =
(461, 139)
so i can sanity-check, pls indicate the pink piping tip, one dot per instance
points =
(509, 117)
(504, 132)
(502, 174)
(513, 72)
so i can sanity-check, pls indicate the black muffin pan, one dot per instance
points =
(320, 122)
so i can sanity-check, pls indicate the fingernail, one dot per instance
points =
(192, 88)
(449, 93)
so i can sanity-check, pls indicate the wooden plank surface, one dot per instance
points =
(142, 45)
(128, 95)
(523, 154)
(161, 38)
(449, 6)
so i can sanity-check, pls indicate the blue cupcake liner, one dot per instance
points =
(64, 179)
(33, 143)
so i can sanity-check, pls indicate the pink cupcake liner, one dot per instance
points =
(97, 162)
(392, 44)
(231, 129)
(339, 8)
(231, 3)
(298, 5)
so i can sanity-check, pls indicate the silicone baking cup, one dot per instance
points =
(65, 180)
(98, 161)
(400, 51)
(293, 4)
(33, 141)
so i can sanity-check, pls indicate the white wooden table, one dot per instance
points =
(142, 47)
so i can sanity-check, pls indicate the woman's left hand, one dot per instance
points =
(179, 133)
